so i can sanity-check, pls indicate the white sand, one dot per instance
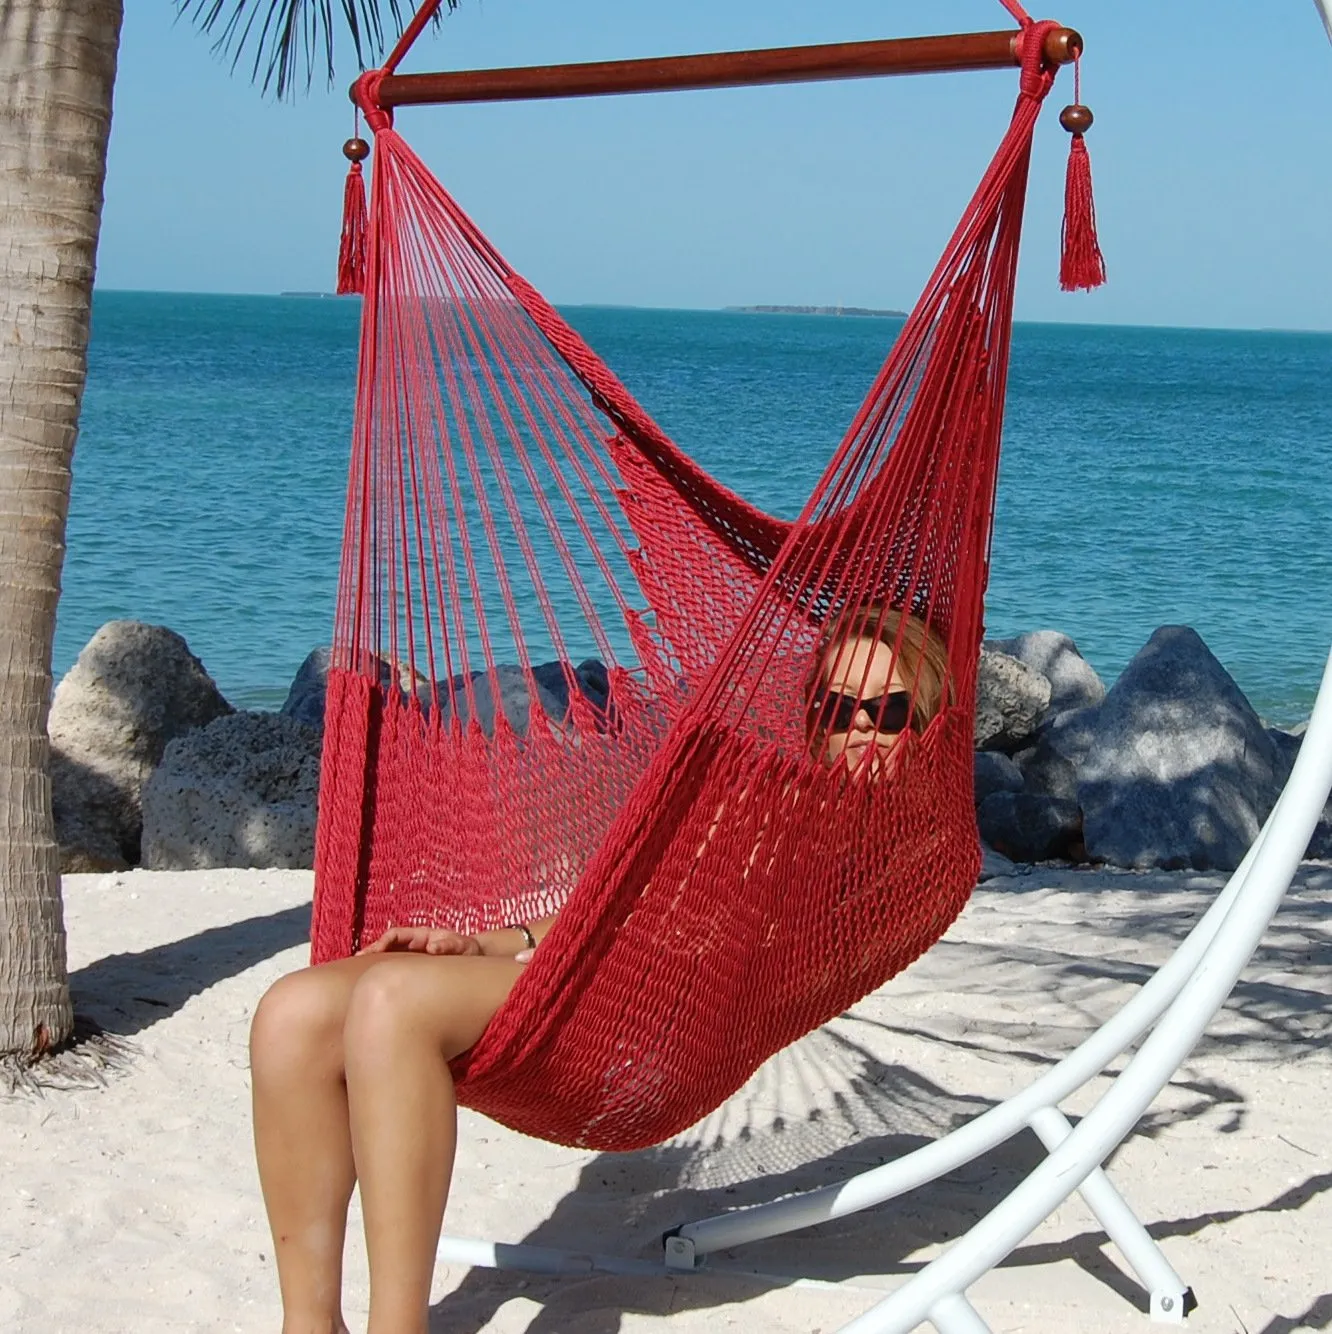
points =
(136, 1207)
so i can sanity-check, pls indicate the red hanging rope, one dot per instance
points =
(508, 501)
(351, 250)
(411, 32)
(355, 220)
(1081, 264)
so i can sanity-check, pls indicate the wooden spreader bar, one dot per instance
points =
(726, 69)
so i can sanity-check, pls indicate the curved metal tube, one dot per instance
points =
(1114, 1117)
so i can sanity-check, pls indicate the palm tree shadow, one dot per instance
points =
(127, 993)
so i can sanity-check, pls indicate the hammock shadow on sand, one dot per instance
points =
(765, 1142)
(869, 1110)
(473, 1304)
(872, 1112)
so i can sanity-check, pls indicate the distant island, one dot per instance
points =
(814, 310)
(319, 296)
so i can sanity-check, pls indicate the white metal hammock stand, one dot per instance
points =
(1325, 12)
(1174, 1007)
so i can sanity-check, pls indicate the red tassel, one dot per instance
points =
(355, 223)
(1081, 265)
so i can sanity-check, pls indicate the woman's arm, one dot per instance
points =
(508, 942)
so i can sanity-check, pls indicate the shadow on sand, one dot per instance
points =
(127, 993)
(869, 1109)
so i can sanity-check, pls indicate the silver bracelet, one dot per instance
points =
(528, 937)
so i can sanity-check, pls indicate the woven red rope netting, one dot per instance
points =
(571, 672)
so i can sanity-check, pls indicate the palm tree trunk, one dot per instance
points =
(57, 68)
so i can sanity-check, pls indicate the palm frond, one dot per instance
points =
(284, 40)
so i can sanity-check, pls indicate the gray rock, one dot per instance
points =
(995, 865)
(552, 692)
(134, 688)
(1010, 701)
(1029, 828)
(508, 686)
(593, 680)
(1288, 747)
(1051, 765)
(240, 792)
(305, 698)
(995, 773)
(1181, 772)
(1073, 681)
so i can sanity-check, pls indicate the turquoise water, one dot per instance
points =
(1149, 476)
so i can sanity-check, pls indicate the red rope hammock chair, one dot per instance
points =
(571, 669)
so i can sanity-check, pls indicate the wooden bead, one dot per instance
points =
(1076, 119)
(356, 150)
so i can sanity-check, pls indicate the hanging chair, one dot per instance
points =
(571, 670)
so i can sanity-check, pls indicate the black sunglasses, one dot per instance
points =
(836, 711)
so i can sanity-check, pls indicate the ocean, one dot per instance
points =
(1150, 476)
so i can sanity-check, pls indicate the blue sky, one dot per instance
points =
(1212, 156)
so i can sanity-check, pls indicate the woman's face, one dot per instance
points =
(863, 668)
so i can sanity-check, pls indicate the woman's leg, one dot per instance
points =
(406, 1019)
(302, 1138)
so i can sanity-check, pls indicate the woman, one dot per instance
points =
(350, 1059)
(879, 673)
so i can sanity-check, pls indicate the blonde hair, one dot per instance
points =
(922, 657)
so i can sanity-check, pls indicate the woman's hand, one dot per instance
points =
(423, 940)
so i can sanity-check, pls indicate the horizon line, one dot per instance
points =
(729, 309)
